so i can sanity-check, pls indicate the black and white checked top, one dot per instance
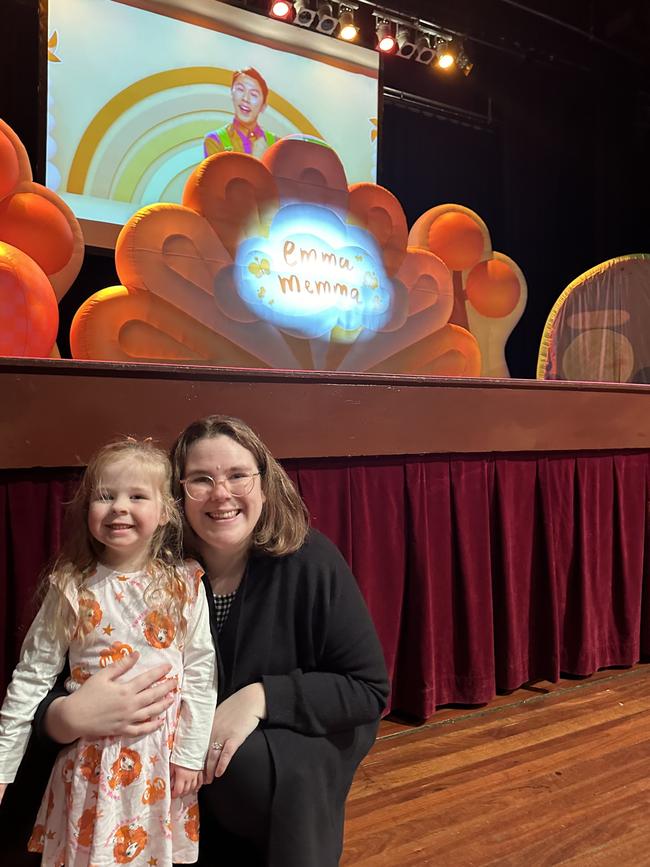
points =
(222, 607)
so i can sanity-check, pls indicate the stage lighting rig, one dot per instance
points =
(405, 41)
(424, 53)
(385, 32)
(411, 38)
(348, 29)
(327, 21)
(284, 10)
(306, 12)
(445, 53)
(415, 39)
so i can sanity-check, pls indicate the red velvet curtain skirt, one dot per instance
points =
(481, 572)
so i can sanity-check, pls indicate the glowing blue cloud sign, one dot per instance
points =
(314, 273)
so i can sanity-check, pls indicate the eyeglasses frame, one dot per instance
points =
(224, 482)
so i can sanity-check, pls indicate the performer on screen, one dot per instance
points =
(249, 93)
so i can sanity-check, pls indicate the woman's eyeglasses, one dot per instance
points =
(201, 486)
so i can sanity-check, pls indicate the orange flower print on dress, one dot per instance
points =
(192, 823)
(79, 674)
(90, 763)
(114, 653)
(90, 614)
(130, 841)
(125, 769)
(37, 838)
(86, 826)
(154, 791)
(159, 629)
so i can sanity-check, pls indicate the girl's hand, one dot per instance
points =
(234, 720)
(109, 704)
(3, 789)
(184, 781)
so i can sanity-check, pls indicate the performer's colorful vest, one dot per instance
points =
(226, 141)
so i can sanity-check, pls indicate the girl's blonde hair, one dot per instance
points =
(80, 551)
(284, 521)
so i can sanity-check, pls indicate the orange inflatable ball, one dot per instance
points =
(493, 288)
(29, 314)
(37, 227)
(457, 240)
(9, 169)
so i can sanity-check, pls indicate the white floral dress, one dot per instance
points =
(108, 800)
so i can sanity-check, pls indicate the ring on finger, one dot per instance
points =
(217, 746)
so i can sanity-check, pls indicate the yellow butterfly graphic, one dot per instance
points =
(52, 42)
(370, 280)
(261, 292)
(260, 267)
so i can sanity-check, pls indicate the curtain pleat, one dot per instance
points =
(481, 572)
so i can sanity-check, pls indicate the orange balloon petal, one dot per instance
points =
(29, 314)
(493, 288)
(457, 239)
(9, 169)
(37, 227)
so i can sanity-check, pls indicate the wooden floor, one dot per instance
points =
(551, 774)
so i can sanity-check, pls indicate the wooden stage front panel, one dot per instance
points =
(56, 412)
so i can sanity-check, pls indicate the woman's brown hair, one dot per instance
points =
(284, 521)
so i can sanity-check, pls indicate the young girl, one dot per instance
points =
(119, 587)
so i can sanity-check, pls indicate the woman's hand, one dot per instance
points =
(109, 704)
(184, 781)
(234, 720)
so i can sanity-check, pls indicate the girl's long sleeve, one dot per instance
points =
(42, 658)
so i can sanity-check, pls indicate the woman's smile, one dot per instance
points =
(224, 515)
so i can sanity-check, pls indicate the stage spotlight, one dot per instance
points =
(306, 12)
(445, 54)
(463, 62)
(405, 41)
(327, 23)
(282, 9)
(386, 42)
(424, 53)
(348, 30)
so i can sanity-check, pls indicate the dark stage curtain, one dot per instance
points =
(482, 572)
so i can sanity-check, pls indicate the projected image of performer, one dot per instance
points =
(244, 134)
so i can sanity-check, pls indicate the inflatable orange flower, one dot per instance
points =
(277, 263)
(41, 250)
(490, 290)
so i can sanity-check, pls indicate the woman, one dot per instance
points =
(302, 676)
